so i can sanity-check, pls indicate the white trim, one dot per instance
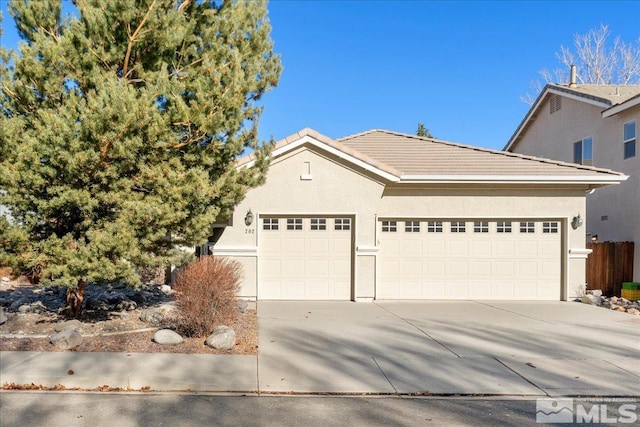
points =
(367, 250)
(582, 98)
(621, 107)
(364, 299)
(306, 177)
(579, 253)
(514, 179)
(240, 251)
(338, 153)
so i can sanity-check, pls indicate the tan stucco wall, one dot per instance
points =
(338, 189)
(613, 212)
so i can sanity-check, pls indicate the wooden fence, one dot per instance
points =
(610, 264)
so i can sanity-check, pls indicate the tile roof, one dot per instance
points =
(403, 157)
(608, 94)
(414, 155)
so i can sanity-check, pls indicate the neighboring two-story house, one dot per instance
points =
(592, 125)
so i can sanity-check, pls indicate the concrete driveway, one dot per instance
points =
(446, 347)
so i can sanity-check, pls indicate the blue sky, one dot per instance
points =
(459, 67)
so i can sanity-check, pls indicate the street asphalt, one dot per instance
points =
(434, 348)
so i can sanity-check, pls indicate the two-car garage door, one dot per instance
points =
(472, 259)
(311, 258)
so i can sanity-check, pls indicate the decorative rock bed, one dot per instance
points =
(623, 305)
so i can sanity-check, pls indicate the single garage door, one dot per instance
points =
(472, 259)
(305, 258)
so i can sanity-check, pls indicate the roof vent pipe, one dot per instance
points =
(572, 78)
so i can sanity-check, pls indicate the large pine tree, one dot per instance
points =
(121, 123)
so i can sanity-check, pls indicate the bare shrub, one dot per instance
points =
(206, 293)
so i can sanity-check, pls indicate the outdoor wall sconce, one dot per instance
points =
(594, 238)
(248, 219)
(577, 222)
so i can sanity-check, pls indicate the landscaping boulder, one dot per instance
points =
(634, 311)
(167, 336)
(66, 339)
(591, 299)
(166, 289)
(596, 292)
(222, 338)
(242, 305)
(75, 323)
(152, 316)
(3, 317)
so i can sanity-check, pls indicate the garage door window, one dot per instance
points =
(318, 224)
(434, 227)
(458, 227)
(504, 227)
(527, 227)
(389, 226)
(270, 224)
(480, 227)
(294, 223)
(549, 227)
(343, 224)
(412, 226)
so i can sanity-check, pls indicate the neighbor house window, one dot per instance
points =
(412, 226)
(504, 227)
(480, 227)
(389, 226)
(582, 152)
(549, 227)
(318, 224)
(270, 223)
(527, 227)
(434, 227)
(630, 139)
(294, 223)
(342, 224)
(458, 226)
(554, 103)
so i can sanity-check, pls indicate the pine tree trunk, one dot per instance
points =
(75, 298)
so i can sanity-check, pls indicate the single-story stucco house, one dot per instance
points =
(386, 215)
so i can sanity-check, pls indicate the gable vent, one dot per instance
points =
(554, 103)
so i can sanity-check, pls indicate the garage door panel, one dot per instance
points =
(504, 248)
(458, 268)
(504, 269)
(292, 246)
(412, 268)
(527, 249)
(480, 268)
(458, 248)
(293, 267)
(480, 248)
(501, 263)
(435, 268)
(433, 247)
(317, 268)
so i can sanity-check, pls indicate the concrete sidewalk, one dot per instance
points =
(531, 349)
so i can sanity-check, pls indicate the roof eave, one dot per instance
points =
(621, 107)
(324, 143)
(511, 179)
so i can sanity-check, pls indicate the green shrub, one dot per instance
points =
(206, 292)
